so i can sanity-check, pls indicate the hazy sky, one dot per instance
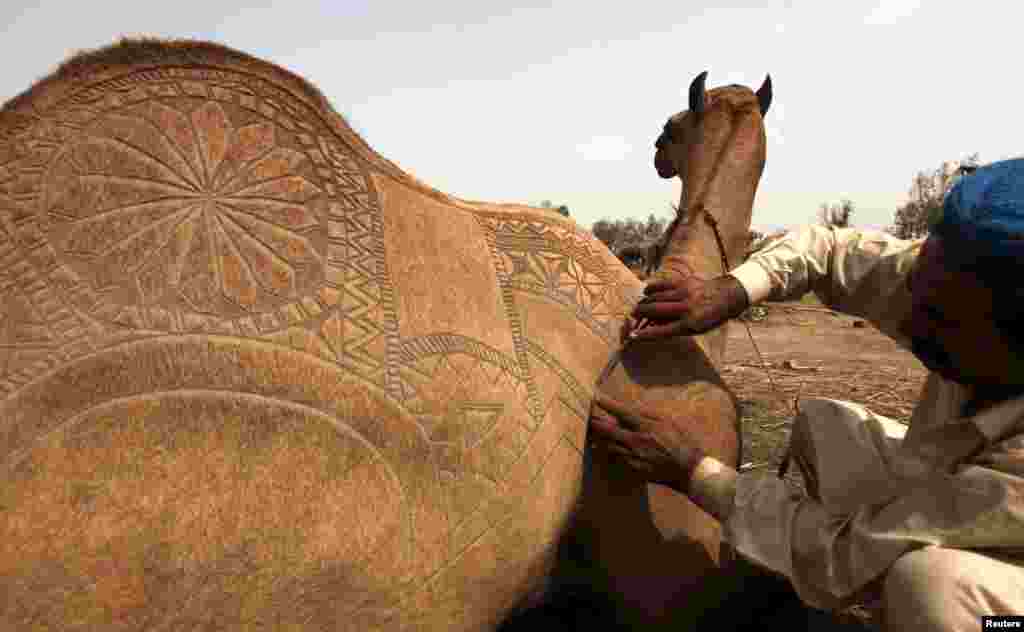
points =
(490, 102)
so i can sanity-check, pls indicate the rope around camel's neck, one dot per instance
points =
(691, 213)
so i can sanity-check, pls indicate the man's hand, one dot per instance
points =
(686, 306)
(656, 450)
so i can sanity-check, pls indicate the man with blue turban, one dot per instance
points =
(926, 518)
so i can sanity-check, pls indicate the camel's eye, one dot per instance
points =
(667, 131)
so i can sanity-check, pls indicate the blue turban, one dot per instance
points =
(983, 214)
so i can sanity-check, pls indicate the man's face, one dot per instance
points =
(951, 328)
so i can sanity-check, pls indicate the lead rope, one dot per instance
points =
(617, 356)
(727, 553)
(784, 466)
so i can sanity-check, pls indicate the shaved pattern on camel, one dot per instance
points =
(546, 257)
(184, 200)
(241, 225)
(202, 244)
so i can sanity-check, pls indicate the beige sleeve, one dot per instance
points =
(857, 272)
(876, 498)
(829, 557)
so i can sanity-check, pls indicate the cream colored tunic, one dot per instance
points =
(881, 495)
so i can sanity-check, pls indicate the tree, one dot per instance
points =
(927, 190)
(606, 231)
(630, 238)
(754, 238)
(561, 209)
(655, 227)
(837, 215)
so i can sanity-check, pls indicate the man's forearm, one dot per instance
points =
(855, 271)
(789, 267)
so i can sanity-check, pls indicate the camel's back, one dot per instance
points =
(252, 372)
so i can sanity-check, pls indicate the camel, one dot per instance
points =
(641, 255)
(252, 373)
(633, 255)
(642, 537)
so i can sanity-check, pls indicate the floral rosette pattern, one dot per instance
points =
(188, 209)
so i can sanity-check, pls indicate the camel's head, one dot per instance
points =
(717, 147)
(710, 115)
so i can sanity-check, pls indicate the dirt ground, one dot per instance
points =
(813, 352)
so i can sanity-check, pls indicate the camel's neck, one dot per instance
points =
(724, 189)
(694, 247)
(721, 184)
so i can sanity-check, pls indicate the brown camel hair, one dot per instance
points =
(140, 51)
(199, 428)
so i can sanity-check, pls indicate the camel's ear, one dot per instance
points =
(764, 94)
(697, 94)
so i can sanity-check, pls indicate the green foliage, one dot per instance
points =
(629, 233)
(561, 209)
(927, 191)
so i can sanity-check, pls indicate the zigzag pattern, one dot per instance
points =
(555, 262)
(355, 330)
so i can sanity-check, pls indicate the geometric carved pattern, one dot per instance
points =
(161, 201)
(188, 200)
(412, 350)
(473, 407)
(25, 339)
(363, 330)
(580, 402)
(150, 219)
(555, 261)
(512, 314)
(36, 327)
(474, 383)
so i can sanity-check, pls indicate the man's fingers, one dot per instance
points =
(621, 451)
(628, 325)
(659, 286)
(609, 405)
(652, 332)
(624, 415)
(599, 412)
(661, 310)
(608, 430)
(671, 293)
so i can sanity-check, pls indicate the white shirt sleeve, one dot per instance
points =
(858, 272)
(878, 499)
